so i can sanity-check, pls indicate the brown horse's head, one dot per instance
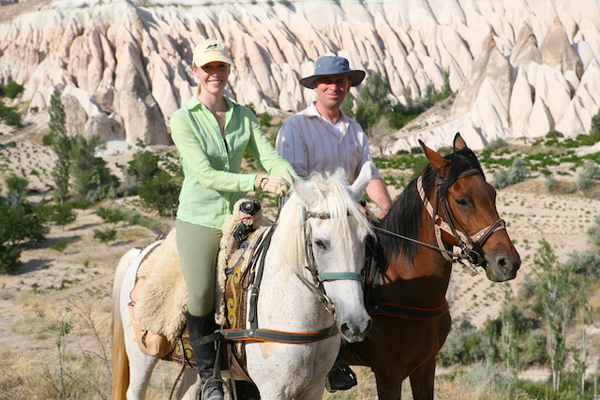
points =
(468, 202)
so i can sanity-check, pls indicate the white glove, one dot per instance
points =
(272, 184)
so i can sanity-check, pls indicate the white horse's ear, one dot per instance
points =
(303, 191)
(364, 178)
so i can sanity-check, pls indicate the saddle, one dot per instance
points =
(158, 312)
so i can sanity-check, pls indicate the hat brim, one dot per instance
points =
(356, 77)
(213, 58)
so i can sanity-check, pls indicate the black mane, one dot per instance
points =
(404, 217)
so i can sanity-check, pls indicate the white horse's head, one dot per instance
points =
(323, 215)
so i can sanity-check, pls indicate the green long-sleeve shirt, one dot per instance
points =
(212, 182)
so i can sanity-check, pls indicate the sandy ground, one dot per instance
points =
(50, 281)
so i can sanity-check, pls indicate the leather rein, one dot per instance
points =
(318, 277)
(470, 245)
(316, 287)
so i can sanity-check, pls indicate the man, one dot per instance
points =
(322, 139)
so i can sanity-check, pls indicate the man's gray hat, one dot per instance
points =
(333, 65)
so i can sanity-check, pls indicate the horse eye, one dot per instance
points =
(462, 202)
(321, 244)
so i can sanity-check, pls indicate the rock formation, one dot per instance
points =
(123, 67)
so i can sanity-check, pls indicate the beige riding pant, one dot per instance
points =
(198, 246)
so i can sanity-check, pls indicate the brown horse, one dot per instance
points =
(408, 291)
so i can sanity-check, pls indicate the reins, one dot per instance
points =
(470, 245)
(319, 277)
(316, 287)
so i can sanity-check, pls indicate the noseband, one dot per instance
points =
(470, 245)
(316, 286)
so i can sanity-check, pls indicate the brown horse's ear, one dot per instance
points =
(437, 162)
(459, 142)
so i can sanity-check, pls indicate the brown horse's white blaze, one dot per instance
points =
(411, 319)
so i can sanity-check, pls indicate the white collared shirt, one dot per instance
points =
(311, 143)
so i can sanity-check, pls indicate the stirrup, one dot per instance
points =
(213, 384)
(341, 377)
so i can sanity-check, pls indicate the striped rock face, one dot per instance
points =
(520, 69)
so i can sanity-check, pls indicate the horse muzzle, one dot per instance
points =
(356, 331)
(502, 267)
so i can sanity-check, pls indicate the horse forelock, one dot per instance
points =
(405, 216)
(334, 199)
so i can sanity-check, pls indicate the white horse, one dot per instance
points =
(322, 214)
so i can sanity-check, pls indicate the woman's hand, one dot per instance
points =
(272, 184)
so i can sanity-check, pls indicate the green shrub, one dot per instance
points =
(59, 245)
(17, 189)
(13, 89)
(63, 214)
(110, 215)
(534, 348)
(265, 119)
(554, 135)
(10, 258)
(518, 171)
(500, 179)
(105, 235)
(416, 150)
(496, 144)
(161, 193)
(18, 225)
(462, 348)
(550, 182)
(587, 177)
(586, 263)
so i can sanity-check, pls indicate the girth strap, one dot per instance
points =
(415, 313)
(269, 335)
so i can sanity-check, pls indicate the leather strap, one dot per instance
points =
(269, 335)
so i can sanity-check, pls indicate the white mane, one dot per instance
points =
(334, 198)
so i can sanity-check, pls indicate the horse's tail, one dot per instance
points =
(120, 362)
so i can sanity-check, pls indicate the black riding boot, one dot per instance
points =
(341, 377)
(205, 354)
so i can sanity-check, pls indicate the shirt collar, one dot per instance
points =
(312, 111)
(194, 102)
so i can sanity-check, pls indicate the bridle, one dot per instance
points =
(318, 277)
(470, 245)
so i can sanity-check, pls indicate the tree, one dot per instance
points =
(143, 166)
(583, 320)
(373, 101)
(380, 135)
(161, 193)
(13, 89)
(63, 214)
(18, 225)
(557, 289)
(61, 144)
(17, 190)
(491, 329)
(509, 337)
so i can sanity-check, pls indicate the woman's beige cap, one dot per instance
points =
(210, 51)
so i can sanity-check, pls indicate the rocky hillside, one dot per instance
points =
(521, 68)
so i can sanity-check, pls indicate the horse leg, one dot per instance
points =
(140, 368)
(422, 381)
(389, 384)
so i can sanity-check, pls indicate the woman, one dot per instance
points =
(211, 133)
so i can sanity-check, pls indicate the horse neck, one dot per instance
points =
(422, 281)
(285, 302)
